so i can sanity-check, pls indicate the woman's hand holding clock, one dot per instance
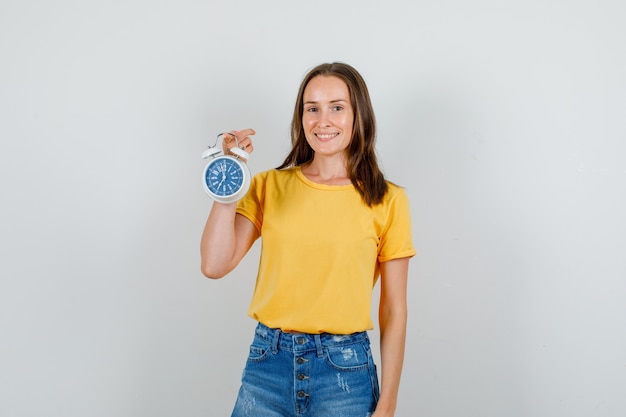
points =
(238, 137)
(226, 177)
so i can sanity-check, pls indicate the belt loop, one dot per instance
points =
(318, 345)
(275, 340)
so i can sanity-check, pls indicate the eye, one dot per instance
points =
(311, 109)
(337, 107)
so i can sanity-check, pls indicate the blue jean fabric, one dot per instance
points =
(307, 375)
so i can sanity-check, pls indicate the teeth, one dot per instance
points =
(326, 136)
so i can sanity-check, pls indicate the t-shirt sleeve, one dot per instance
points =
(396, 240)
(251, 205)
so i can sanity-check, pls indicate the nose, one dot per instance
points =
(324, 119)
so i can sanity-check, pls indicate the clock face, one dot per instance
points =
(224, 177)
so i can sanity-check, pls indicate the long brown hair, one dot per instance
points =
(363, 168)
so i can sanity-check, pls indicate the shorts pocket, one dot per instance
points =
(259, 350)
(352, 357)
(375, 386)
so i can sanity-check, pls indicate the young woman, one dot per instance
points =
(330, 225)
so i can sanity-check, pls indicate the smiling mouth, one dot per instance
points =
(326, 136)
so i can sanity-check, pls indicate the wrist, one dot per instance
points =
(386, 406)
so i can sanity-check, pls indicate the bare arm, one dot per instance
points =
(227, 236)
(392, 317)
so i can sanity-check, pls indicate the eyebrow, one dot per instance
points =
(331, 101)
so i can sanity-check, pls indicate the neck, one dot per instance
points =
(331, 171)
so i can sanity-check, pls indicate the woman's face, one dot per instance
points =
(327, 117)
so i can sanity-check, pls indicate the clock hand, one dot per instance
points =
(222, 180)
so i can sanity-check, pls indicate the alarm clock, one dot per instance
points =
(226, 178)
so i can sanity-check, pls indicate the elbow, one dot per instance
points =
(212, 272)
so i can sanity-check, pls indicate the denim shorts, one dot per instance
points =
(312, 375)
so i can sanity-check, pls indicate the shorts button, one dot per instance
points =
(300, 340)
(301, 377)
(301, 394)
(299, 361)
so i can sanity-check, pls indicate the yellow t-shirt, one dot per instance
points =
(321, 246)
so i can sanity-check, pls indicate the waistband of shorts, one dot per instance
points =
(307, 341)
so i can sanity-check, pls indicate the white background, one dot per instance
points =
(505, 121)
